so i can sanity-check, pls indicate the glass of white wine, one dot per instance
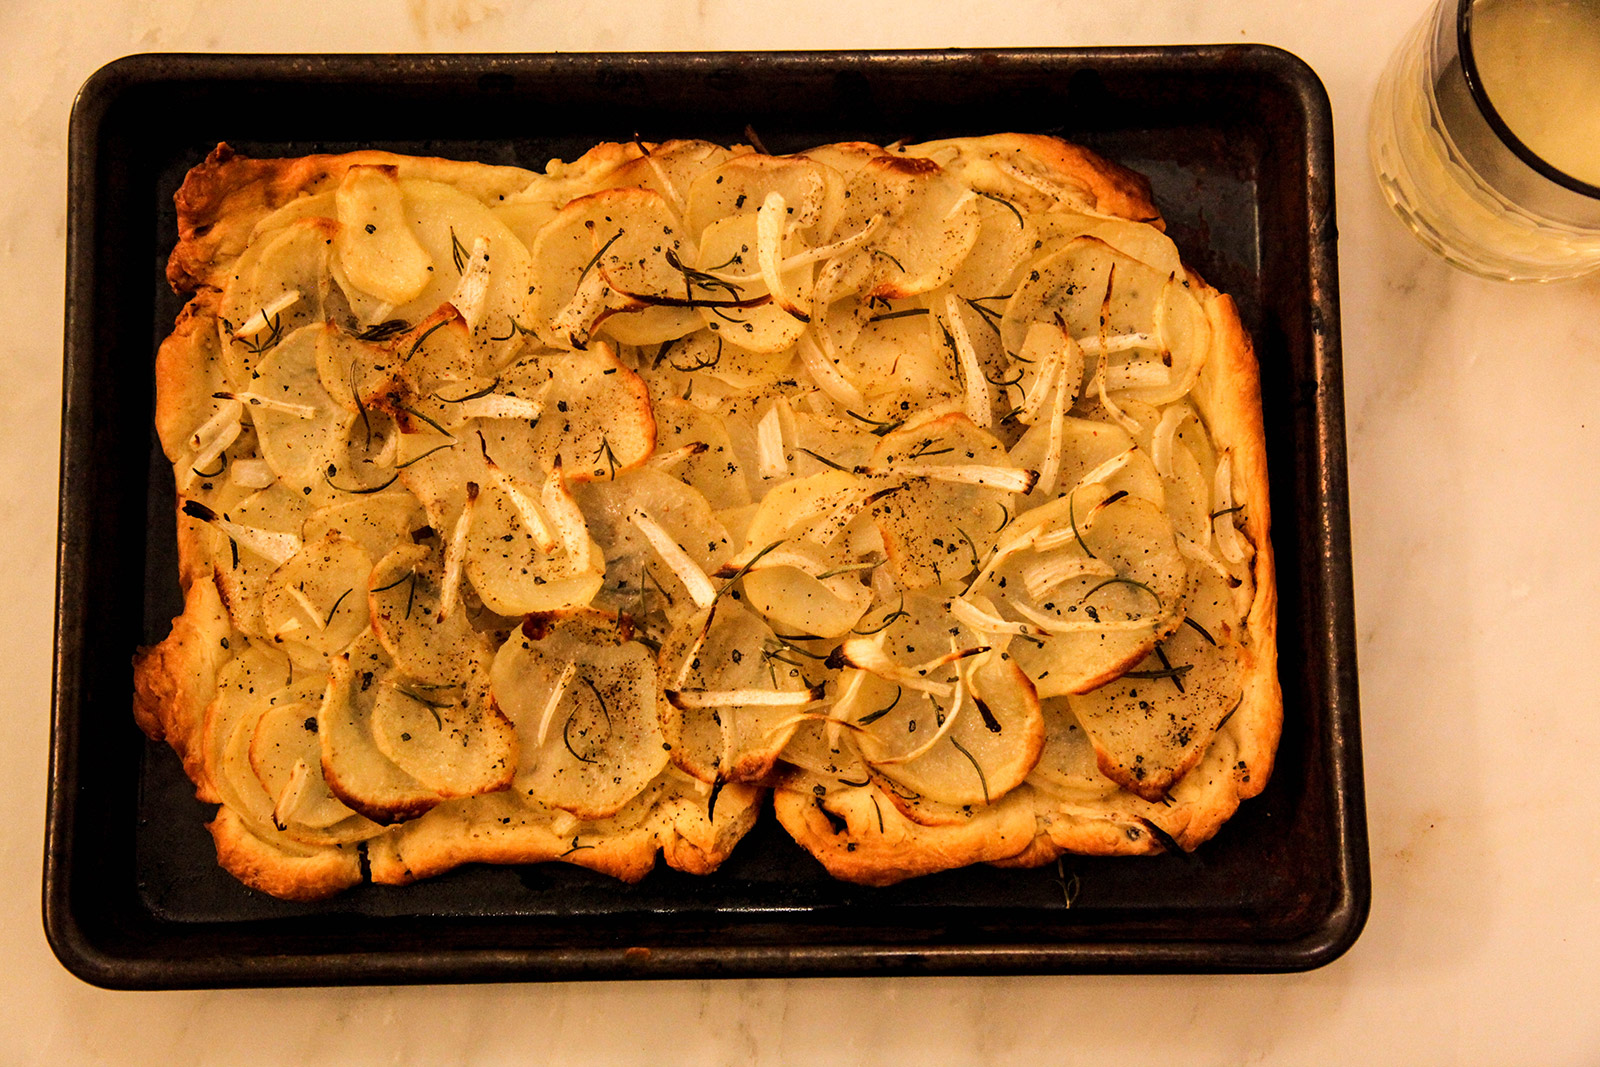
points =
(1485, 134)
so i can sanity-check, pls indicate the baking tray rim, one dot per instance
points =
(90, 958)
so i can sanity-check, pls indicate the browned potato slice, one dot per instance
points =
(355, 768)
(1152, 724)
(583, 699)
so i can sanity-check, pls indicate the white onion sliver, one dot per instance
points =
(550, 705)
(979, 400)
(689, 573)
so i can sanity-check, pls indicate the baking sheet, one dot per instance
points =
(1237, 143)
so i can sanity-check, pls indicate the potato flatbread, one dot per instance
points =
(561, 516)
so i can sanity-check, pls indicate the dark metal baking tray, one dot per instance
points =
(1237, 142)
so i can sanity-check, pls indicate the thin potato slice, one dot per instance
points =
(939, 532)
(316, 603)
(356, 769)
(1152, 724)
(613, 261)
(298, 425)
(727, 649)
(583, 699)
(452, 739)
(278, 286)
(406, 599)
(596, 420)
(515, 559)
(932, 223)
(287, 758)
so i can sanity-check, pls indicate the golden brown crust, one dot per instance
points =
(174, 681)
(859, 836)
(318, 874)
(1228, 393)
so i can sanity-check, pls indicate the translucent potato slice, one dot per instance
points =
(1072, 282)
(729, 245)
(670, 168)
(451, 739)
(638, 580)
(355, 768)
(597, 420)
(1152, 724)
(900, 363)
(811, 582)
(938, 532)
(1067, 766)
(806, 592)
(1086, 446)
(377, 522)
(1183, 330)
(241, 570)
(299, 427)
(719, 354)
(1005, 240)
(515, 561)
(727, 649)
(1099, 625)
(316, 602)
(1135, 239)
(606, 262)
(247, 685)
(708, 462)
(932, 223)
(455, 229)
(405, 599)
(287, 757)
(377, 249)
(279, 285)
(583, 698)
(739, 187)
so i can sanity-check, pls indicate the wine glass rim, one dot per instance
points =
(1469, 71)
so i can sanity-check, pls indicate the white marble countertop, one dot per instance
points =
(1475, 517)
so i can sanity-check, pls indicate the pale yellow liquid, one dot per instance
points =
(1440, 198)
(1539, 62)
